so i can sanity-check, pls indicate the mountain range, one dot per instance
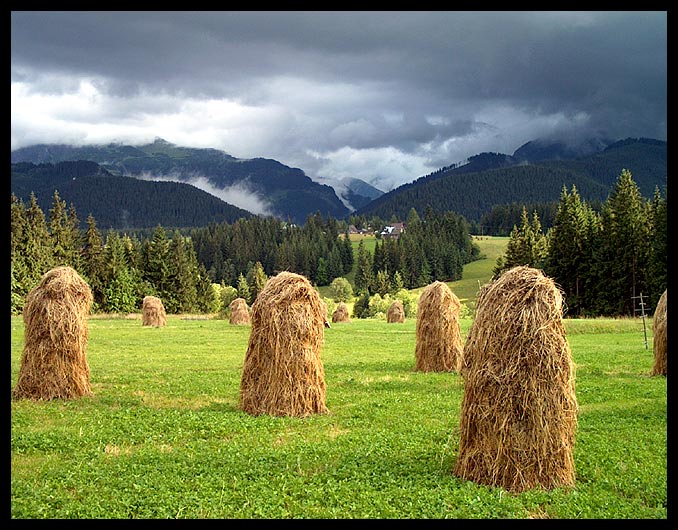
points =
(126, 186)
(259, 185)
(536, 172)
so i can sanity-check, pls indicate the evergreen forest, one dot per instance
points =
(603, 255)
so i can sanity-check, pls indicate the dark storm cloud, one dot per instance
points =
(422, 89)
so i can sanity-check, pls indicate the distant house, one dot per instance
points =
(352, 229)
(393, 231)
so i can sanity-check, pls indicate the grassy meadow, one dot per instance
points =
(162, 437)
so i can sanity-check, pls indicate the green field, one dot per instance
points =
(162, 436)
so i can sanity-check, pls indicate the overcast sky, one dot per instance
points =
(383, 96)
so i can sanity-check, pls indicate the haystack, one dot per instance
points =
(439, 347)
(54, 359)
(283, 374)
(396, 312)
(153, 312)
(239, 312)
(659, 331)
(341, 313)
(519, 410)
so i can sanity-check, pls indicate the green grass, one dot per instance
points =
(162, 437)
(479, 272)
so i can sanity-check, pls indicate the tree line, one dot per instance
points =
(120, 269)
(182, 267)
(314, 249)
(435, 247)
(603, 260)
(602, 257)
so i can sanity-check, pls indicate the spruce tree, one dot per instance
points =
(322, 274)
(244, 289)
(397, 283)
(38, 251)
(75, 236)
(93, 261)
(346, 252)
(382, 283)
(208, 301)
(19, 277)
(119, 289)
(570, 247)
(657, 263)
(622, 251)
(527, 245)
(364, 277)
(64, 228)
(256, 280)
(182, 274)
(156, 266)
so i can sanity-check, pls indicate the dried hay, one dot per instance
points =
(439, 347)
(54, 359)
(341, 313)
(283, 374)
(153, 312)
(239, 312)
(659, 323)
(396, 313)
(519, 410)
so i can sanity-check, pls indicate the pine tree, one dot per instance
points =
(64, 228)
(335, 265)
(412, 218)
(208, 301)
(363, 276)
(527, 245)
(657, 263)
(623, 248)
(570, 241)
(397, 283)
(93, 264)
(346, 252)
(382, 283)
(38, 252)
(19, 274)
(76, 237)
(322, 275)
(361, 308)
(182, 275)
(244, 289)
(156, 268)
(425, 274)
(119, 289)
(256, 280)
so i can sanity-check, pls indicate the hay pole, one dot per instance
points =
(642, 312)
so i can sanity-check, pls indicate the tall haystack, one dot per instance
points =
(283, 374)
(659, 331)
(519, 410)
(239, 312)
(395, 313)
(341, 313)
(153, 312)
(439, 347)
(54, 359)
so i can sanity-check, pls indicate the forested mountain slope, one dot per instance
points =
(289, 192)
(120, 202)
(490, 179)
